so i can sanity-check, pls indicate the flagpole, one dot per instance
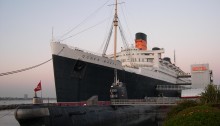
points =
(41, 90)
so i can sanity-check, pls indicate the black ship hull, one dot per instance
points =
(76, 80)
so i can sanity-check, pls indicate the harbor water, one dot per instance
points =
(29, 101)
(7, 118)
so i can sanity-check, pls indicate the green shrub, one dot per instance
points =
(181, 106)
(196, 116)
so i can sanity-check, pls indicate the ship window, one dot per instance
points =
(150, 60)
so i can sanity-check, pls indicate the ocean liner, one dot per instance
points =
(81, 74)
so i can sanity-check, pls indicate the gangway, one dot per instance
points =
(147, 101)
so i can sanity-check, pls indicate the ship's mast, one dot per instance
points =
(174, 57)
(115, 39)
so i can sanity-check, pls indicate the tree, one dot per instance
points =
(211, 95)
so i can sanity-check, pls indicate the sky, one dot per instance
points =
(190, 27)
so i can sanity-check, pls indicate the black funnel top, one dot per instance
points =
(141, 36)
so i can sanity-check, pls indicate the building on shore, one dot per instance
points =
(201, 76)
(25, 96)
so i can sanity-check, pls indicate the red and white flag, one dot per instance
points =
(38, 88)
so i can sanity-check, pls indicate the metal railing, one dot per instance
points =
(170, 87)
(147, 101)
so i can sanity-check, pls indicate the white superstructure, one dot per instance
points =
(150, 63)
